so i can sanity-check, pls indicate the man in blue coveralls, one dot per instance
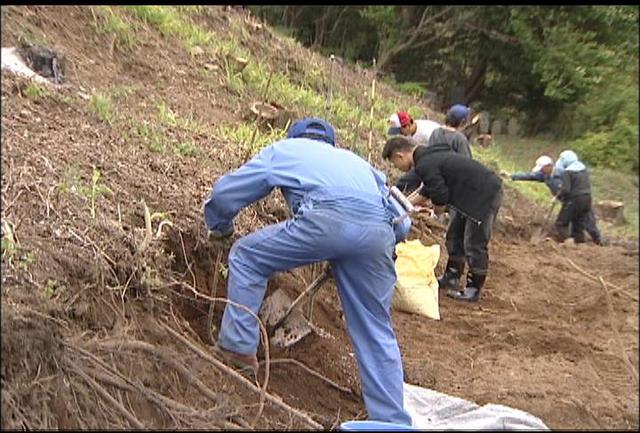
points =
(342, 215)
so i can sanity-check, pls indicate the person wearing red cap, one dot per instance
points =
(419, 129)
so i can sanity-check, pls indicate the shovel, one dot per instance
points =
(540, 232)
(286, 325)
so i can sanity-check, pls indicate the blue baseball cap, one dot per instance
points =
(458, 112)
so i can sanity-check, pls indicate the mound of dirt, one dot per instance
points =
(106, 272)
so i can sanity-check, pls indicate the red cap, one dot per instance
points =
(404, 117)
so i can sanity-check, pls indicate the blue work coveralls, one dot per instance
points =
(341, 215)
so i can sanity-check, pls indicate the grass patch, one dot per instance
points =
(101, 105)
(110, 22)
(170, 21)
(246, 136)
(35, 91)
(151, 136)
(26, 36)
(187, 148)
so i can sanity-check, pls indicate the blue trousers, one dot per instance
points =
(359, 250)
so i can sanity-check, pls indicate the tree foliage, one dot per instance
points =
(567, 70)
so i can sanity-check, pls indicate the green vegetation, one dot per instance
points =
(567, 70)
(89, 190)
(102, 106)
(109, 21)
(169, 21)
(35, 91)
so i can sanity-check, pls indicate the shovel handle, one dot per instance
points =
(313, 287)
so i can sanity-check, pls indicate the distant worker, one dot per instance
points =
(341, 215)
(447, 133)
(575, 196)
(544, 171)
(450, 134)
(469, 188)
(419, 129)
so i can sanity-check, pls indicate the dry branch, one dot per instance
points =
(312, 372)
(276, 400)
(167, 358)
(623, 353)
(104, 394)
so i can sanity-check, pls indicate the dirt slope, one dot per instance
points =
(99, 331)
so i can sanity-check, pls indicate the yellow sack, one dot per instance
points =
(417, 285)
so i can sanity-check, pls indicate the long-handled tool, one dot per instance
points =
(539, 232)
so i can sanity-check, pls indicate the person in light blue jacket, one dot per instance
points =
(343, 215)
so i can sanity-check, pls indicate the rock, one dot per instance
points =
(513, 127)
(484, 140)
(485, 122)
(497, 127)
(197, 51)
(610, 210)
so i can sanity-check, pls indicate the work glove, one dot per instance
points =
(220, 239)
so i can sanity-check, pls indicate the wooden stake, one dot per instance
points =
(373, 100)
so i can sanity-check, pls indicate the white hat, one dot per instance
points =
(394, 120)
(541, 162)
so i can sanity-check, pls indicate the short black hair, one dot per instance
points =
(452, 121)
(398, 143)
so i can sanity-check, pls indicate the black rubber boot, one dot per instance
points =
(450, 280)
(471, 292)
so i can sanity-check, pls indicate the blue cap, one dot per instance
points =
(313, 128)
(458, 112)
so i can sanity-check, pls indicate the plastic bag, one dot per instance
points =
(417, 285)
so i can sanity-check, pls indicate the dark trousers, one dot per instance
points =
(592, 228)
(466, 239)
(575, 212)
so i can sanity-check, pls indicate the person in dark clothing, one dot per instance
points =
(469, 188)
(448, 133)
(544, 171)
(575, 196)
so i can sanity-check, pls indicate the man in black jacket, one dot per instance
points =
(464, 185)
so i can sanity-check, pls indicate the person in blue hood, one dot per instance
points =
(575, 196)
(342, 214)
(545, 171)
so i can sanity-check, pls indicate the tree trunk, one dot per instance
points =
(475, 82)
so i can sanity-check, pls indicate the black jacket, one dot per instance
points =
(574, 183)
(451, 179)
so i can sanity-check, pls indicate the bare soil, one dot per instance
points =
(92, 306)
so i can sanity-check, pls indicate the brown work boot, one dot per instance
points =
(246, 363)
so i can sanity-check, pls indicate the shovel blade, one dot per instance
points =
(293, 329)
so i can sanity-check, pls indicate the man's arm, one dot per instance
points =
(236, 190)
(534, 176)
(434, 186)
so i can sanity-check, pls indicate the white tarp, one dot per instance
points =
(432, 410)
(12, 61)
